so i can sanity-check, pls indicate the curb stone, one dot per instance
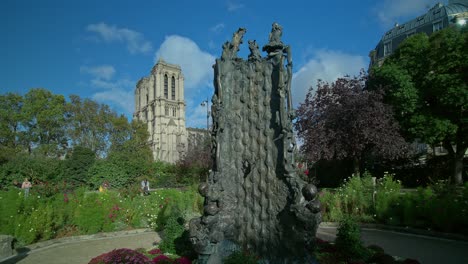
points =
(401, 229)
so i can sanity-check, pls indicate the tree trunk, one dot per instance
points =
(457, 176)
(356, 166)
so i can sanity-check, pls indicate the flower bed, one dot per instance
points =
(39, 218)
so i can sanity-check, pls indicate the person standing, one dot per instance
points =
(145, 186)
(26, 186)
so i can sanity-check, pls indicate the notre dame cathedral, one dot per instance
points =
(159, 102)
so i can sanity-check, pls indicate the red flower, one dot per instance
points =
(183, 260)
(155, 251)
(161, 259)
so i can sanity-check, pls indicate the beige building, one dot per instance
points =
(159, 102)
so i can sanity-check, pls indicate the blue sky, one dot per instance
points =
(100, 49)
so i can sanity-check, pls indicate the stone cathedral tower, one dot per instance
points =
(159, 102)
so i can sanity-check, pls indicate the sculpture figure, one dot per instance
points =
(276, 33)
(254, 199)
(254, 51)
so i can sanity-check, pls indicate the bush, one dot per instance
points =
(82, 212)
(387, 196)
(241, 257)
(354, 198)
(348, 240)
(173, 229)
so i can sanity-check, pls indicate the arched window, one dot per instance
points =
(174, 112)
(173, 88)
(165, 86)
(166, 110)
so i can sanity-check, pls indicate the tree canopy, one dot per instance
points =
(425, 81)
(343, 120)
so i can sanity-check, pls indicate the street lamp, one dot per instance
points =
(206, 103)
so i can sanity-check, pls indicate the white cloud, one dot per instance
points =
(117, 97)
(136, 42)
(102, 72)
(217, 28)
(196, 64)
(117, 93)
(390, 11)
(233, 6)
(196, 115)
(112, 84)
(326, 65)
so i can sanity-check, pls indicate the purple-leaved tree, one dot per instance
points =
(343, 120)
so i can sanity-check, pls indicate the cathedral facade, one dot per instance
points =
(159, 102)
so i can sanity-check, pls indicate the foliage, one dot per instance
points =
(89, 124)
(198, 152)
(105, 171)
(81, 212)
(388, 192)
(140, 256)
(343, 120)
(37, 169)
(440, 206)
(354, 198)
(348, 240)
(78, 164)
(425, 82)
(241, 257)
(173, 229)
(122, 255)
(43, 119)
(10, 116)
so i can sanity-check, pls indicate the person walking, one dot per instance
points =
(26, 186)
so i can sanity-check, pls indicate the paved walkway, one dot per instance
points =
(425, 249)
(80, 250)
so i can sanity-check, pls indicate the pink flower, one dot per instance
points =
(183, 260)
(155, 251)
(161, 259)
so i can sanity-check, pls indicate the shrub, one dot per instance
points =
(173, 229)
(348, 240)
(387, 196)
(241, 257)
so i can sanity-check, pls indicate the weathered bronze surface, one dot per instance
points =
(254, 199)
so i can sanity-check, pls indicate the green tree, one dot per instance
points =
(426, 83)
(10, 124)
(43, 119)
(89, 124)
(130, 149)
(77, 166)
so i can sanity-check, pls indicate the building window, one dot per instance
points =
(173, 88)
(147, 99)
(387, 48)
(166, 111)
(437, 26)
(165, 86)
(174, 112)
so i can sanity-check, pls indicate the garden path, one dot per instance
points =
(425, 249)
(82, 251)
